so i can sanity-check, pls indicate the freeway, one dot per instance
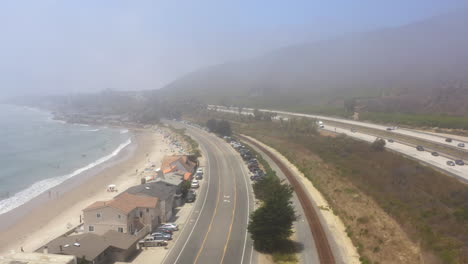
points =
(216, 231)
(432, 137)
(405, 148)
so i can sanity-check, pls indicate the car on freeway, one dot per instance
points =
(435, 154)
(450, 163)
(389, 129)
(194, 184)
(390, 140)
(459, 162)
(321, 126)
(461, 145)
(420, 148)
(448, 140)
(172, 226)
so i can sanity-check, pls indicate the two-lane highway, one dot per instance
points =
(216, 231)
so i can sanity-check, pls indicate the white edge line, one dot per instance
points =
(200, 213)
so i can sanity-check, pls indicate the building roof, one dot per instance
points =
(36, 258)
(126, 202)
(183, 159)
(175, 178)
(90, 245)
(187, 176)
(159, 189)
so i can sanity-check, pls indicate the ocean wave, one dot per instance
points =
(91, 130)
(42, 186)
(124, 131)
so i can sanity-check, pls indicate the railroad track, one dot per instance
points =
(321, 242)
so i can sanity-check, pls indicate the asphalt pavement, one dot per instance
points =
(216, 231)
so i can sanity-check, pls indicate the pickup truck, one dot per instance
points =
(150, 241)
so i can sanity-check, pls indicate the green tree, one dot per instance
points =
(184, 188)
(378, 144)
(271, 224)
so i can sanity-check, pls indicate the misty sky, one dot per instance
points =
(56, 46)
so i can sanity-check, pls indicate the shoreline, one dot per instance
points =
(47, 216)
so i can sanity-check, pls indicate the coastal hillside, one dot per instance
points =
(417, 68)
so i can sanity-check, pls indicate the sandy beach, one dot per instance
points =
(35, 225)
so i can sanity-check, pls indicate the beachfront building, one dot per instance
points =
(166, 194)
(37, 258)
(126, 213)
(109, 247)
(180, 163)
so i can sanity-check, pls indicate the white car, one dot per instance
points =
(172, 226)
(200, 170)
(194, 184)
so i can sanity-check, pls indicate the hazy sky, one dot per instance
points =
(70, 46)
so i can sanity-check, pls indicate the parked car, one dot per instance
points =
(161, 236)
(389, 129)
(390, 140)
(164, 230)
(194, 184)
(321, 126)
(172, 226)
(461, 145)
(190, 198)
(434, 153)
(152, 242)
(420, 148)
(459, 162)
(448, 140)
(450, 163)
(199, 175)
(200, 170)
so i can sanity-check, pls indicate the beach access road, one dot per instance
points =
(216, 230)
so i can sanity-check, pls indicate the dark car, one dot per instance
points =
(420, 148)
(435, 154)
(390, 140)
(190, 198)
(164, 230)
(460, 162)
(461, 145)
(389, 129)
(450, 163)
(448, 140)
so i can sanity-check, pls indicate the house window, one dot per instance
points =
(120, 229)
(91, 228)
(98, 215)
(147, 210)
(119, 216)
(141, 214)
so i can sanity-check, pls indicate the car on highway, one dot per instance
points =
(321, 126)
(389, 129)
(172, 226)
(435, 154)
(448, 140)
(420, 148)
(194, 184)
(390, 140)
(450, 163)
(461, 145)
(459, 162)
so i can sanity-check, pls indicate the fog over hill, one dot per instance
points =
(421, 67)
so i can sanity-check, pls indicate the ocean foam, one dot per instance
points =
(124, 131)
(91, 130)
(42, 186)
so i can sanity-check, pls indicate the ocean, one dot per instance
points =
(38, 153)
